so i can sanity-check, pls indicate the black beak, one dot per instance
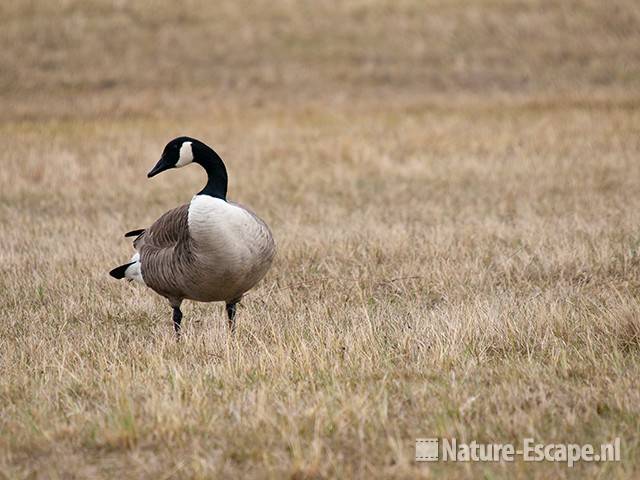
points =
(161, 166)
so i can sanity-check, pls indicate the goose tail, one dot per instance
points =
(121, 271)
(130, 271)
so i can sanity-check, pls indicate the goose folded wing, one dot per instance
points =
(167, 231)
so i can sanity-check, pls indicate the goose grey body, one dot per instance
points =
(207, 250)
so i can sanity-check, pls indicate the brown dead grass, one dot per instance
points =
(454, 187)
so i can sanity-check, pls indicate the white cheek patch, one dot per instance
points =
(186, 155)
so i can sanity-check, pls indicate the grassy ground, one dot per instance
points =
(455, 192)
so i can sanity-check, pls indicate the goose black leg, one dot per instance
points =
(231, 313)
(177, 318)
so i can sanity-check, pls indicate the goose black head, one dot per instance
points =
(177, 153)
(182, 151)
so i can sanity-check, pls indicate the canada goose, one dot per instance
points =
(208, 250)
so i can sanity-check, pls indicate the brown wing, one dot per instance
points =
(165, 250)
(167, 231)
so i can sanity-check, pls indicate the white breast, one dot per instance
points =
(220, 227)
(232, 249)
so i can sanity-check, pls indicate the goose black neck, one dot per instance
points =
(216, 172)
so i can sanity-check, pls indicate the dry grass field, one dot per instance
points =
(454, 187)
